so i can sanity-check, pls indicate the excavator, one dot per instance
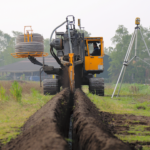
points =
(77, 65)
(72, 51)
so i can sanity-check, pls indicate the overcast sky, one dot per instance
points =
(99, 17)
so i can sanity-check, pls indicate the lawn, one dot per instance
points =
(14, 112)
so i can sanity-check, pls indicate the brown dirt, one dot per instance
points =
(65, 77)
(90, 127)
(141, 107)
(122, 123)
(1, 145)
(47, 128)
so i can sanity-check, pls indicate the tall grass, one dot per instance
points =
(128, 89)
(3, 95)
(11, 119)
(16, 91)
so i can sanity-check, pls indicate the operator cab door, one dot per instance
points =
(95, 62)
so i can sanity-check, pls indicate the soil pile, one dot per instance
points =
(90, 127)
(47, 128)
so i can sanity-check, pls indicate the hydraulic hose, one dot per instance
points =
(54, 55)
(56, 29)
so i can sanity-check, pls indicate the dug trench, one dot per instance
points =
(48, 128)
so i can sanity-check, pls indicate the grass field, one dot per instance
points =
(134, 99)
(14, 113)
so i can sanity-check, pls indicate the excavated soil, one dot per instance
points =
(123, 123)
(90, 127)
(47, 128)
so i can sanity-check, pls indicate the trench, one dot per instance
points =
(67, 122)
(70, 136)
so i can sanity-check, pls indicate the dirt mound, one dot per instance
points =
(90, 127)
(47, 128)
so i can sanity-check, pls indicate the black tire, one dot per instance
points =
(51, 86)
(96, 86)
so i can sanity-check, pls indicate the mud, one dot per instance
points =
(47, 128)
(90, 127)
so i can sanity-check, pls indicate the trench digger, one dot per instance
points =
(72, 51)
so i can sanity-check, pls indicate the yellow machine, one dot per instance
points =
(80, 56)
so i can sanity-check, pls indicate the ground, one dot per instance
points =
(128, 114)
(13, 114)
(130, 117)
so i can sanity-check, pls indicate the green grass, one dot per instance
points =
(134, 138)
(135, 96)
(13, 114)
(128, 89)
(121, 105)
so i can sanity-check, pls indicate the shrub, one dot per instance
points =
(16, 91)
(3, 94)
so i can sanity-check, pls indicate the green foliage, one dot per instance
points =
(46, 45)
(3, 94)
(137, 71)
(16, 91)
(86, 33)
(34, 92)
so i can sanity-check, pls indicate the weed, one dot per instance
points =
(34, 92)
(3, 94)
(16, 91)
(69, 140)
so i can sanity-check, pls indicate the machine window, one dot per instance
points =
(95, 48)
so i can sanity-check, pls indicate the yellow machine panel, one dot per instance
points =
(93, 63)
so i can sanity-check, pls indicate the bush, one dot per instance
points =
(16, 91)
(3, 94)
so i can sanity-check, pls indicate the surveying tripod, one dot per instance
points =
(126, 59)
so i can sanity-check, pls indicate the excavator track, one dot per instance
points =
(51, 86)
(96, 86)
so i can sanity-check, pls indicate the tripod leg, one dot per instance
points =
(145, 43)
(136, 42)
(130, 46)
(121, 80)
(143, 60)
(125, 60)
(117, 81)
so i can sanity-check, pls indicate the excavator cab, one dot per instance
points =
(94, 63)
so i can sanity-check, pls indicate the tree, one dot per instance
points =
(86, 33)
(135, 72)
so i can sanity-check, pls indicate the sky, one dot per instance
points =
(99, 17)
